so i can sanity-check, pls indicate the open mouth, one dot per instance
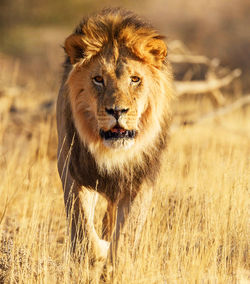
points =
(117, 132)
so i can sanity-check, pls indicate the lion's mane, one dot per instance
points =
(120, 29)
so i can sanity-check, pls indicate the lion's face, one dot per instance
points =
(119, 92)
(112, 99)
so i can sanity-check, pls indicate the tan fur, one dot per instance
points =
(117, 46)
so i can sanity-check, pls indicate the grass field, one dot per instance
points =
(196, 231)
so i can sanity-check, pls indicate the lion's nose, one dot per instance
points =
(116, 112)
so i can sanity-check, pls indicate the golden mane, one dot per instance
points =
(116, 29)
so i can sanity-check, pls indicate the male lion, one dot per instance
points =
(112, 119)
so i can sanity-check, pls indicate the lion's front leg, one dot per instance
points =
(80, 207)
(97, 247)
(131, 216)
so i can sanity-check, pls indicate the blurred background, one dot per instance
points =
(32, 32)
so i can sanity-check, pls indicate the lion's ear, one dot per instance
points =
(157, 51)
(74, 47)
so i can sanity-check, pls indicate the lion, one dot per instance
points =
(112, 118)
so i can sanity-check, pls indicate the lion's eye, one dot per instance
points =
(135, 79)
(98, 80)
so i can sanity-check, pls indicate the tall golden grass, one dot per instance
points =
(196, 230)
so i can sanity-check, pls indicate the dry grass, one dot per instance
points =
(196, 231)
